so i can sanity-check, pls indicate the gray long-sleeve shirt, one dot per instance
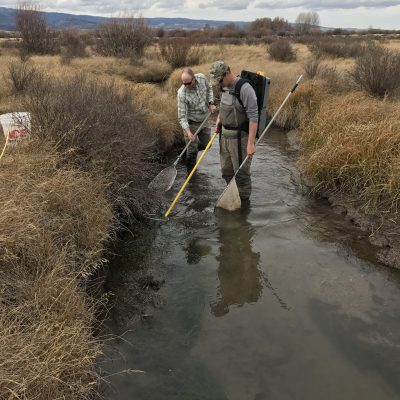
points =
(249, 100)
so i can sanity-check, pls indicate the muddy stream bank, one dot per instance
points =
(282, 300)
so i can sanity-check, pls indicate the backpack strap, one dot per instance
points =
(238, 88)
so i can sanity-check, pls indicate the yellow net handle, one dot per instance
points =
(191, 174)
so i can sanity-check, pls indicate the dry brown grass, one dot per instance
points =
(54, 223)
(393, 44)
(160, 113)
(150, 71)
(352, 145)
(302, 104)
(147, 70)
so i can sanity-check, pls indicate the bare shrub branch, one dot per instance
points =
(336, 47)
(35, 33)
(72, 45)
(377, 70)
(180, 52)
(22, 75)
(99, 129)
(312, 67)
(281, 50)
(124, 37)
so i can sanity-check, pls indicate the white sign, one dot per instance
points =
(16, 126)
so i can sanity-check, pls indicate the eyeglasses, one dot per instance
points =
(188, 83)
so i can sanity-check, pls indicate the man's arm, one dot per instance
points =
(182, 116)
(251, 147)
(249, 100)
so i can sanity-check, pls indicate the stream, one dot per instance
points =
(284, 299)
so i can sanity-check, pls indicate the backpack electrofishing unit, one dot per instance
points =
(260, 83)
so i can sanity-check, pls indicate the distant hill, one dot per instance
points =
(63, 21)
(7, 19)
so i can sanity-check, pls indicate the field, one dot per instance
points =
(98, 125)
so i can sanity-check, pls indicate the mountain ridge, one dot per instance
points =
(63, 21)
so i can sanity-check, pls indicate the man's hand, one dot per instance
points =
(191, 137)
(212, 108)
(251, 149)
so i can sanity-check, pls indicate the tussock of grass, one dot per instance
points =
(160, 113)
(352, 146)
(54, 222)
(147, 71)
(150, 68)
(174, 82)
(302, 104)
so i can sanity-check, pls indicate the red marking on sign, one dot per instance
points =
(17, 133)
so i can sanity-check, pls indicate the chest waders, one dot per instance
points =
(233, 114)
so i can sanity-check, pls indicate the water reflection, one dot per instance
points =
(370, 344)
(238, 272)
(195, 250)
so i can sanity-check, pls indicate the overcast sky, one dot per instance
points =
(333, 13)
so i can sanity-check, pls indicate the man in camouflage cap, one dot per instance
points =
(238, 116)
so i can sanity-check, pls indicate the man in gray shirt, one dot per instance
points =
(238, 116)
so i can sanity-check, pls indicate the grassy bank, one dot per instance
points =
(64, 195)
(55, 222)
(352, 146)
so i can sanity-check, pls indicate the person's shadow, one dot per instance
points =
(238, 271)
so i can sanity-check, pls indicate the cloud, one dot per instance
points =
(105, 6)
(166, 4)
(227, 4)
(325, 4)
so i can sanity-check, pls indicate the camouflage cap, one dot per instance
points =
(217, 71)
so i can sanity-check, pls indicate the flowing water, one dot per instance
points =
(281, 300)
